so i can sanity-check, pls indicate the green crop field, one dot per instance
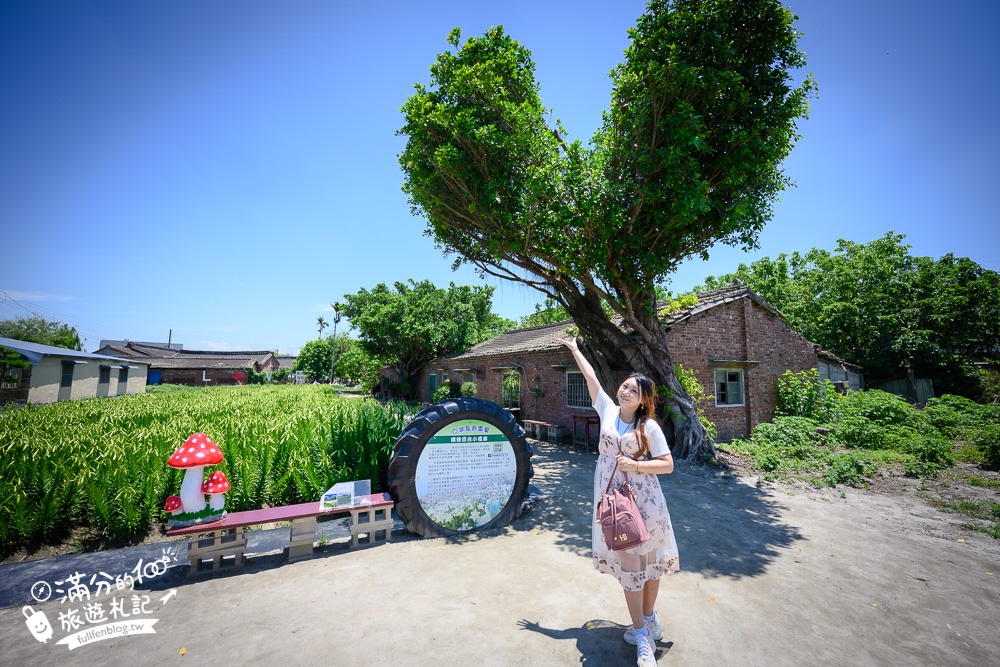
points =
(102, 463)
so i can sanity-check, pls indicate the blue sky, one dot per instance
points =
(227, 169)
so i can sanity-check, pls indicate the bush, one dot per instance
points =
(847, 469)
(856, 432)
(879, 407)
(988, 442)
(989, 385)
(804, 395)
(791, 436)
(931, 449)
(469, 389)
(442, 393)
(697, 392)
(951, 414)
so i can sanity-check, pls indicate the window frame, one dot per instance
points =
(587, 403)
(742, 386)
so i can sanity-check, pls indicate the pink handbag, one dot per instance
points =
(618, 514)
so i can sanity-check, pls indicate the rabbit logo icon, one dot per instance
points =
(38, 623)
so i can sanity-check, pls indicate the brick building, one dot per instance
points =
(196, 368)
(736, 343)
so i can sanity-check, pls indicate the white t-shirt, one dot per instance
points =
(609, 413)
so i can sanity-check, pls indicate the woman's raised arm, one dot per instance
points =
(593, 385)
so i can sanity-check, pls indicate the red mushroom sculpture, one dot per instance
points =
(197, 452)
(216, 487)
(173, 505)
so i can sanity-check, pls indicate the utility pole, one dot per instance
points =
(333, 343)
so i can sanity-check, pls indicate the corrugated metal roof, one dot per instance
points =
(35, 351)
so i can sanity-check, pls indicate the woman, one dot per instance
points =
(643, 458)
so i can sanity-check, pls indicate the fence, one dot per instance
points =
(922, 389)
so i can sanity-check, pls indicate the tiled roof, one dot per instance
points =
(518, 341)
(161, 357)
(199, 362)
(285, 361)
(716, 297)
(543, 338)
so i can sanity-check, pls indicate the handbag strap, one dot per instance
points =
(612, 478)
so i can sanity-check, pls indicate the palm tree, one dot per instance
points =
(322, 325)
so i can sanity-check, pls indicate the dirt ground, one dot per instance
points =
(771, 574)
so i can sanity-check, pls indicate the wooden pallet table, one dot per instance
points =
(221, 545)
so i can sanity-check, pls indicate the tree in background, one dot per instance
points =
(414, 322)
(37, 329)
(877, 306)
(11, 362)
(548, 313)
(703, 111)
(352, 362)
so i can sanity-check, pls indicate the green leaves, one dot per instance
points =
(877, 306)
(37, 329)
(415, 322)
(702, 113)
(102, 463)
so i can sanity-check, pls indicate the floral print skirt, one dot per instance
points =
(650, 560)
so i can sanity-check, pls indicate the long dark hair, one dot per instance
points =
(646, 410)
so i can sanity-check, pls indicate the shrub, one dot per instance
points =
(988, 441)
(931, 449)
(697, 392)
(856, 432)
(805, 395)
(442, 393)
(847, 469)
(951, 414)
(879, 407)
(469, 389)
(989, 385)
(791, 436)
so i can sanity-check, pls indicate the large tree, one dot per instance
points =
(37, 329)
(878, 306)
(415, 322)
(703, 111)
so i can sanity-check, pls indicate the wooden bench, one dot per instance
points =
(220, 545)
(539, 429)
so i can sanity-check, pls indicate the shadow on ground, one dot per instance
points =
(724, 527)
(599, 642)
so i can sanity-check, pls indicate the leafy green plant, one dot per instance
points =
(878, 407)
(469, 389)
(689, 381)
(803, 394)
(847, 469)
(988, 441)
(951, 414)
(442, 393)
(101, 464)
(510, 390)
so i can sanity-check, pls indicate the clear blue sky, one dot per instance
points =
(227, 169)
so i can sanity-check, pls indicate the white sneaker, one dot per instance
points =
(655, 631)
(644, 652)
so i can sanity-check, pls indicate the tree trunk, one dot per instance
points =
(610, 349)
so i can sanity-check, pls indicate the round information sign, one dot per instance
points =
(460, 465)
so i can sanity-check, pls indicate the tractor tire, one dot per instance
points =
(432, 421)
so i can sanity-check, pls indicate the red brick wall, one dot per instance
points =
(739, 330)
(193, 378)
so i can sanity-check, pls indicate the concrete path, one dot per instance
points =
(769, 576)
